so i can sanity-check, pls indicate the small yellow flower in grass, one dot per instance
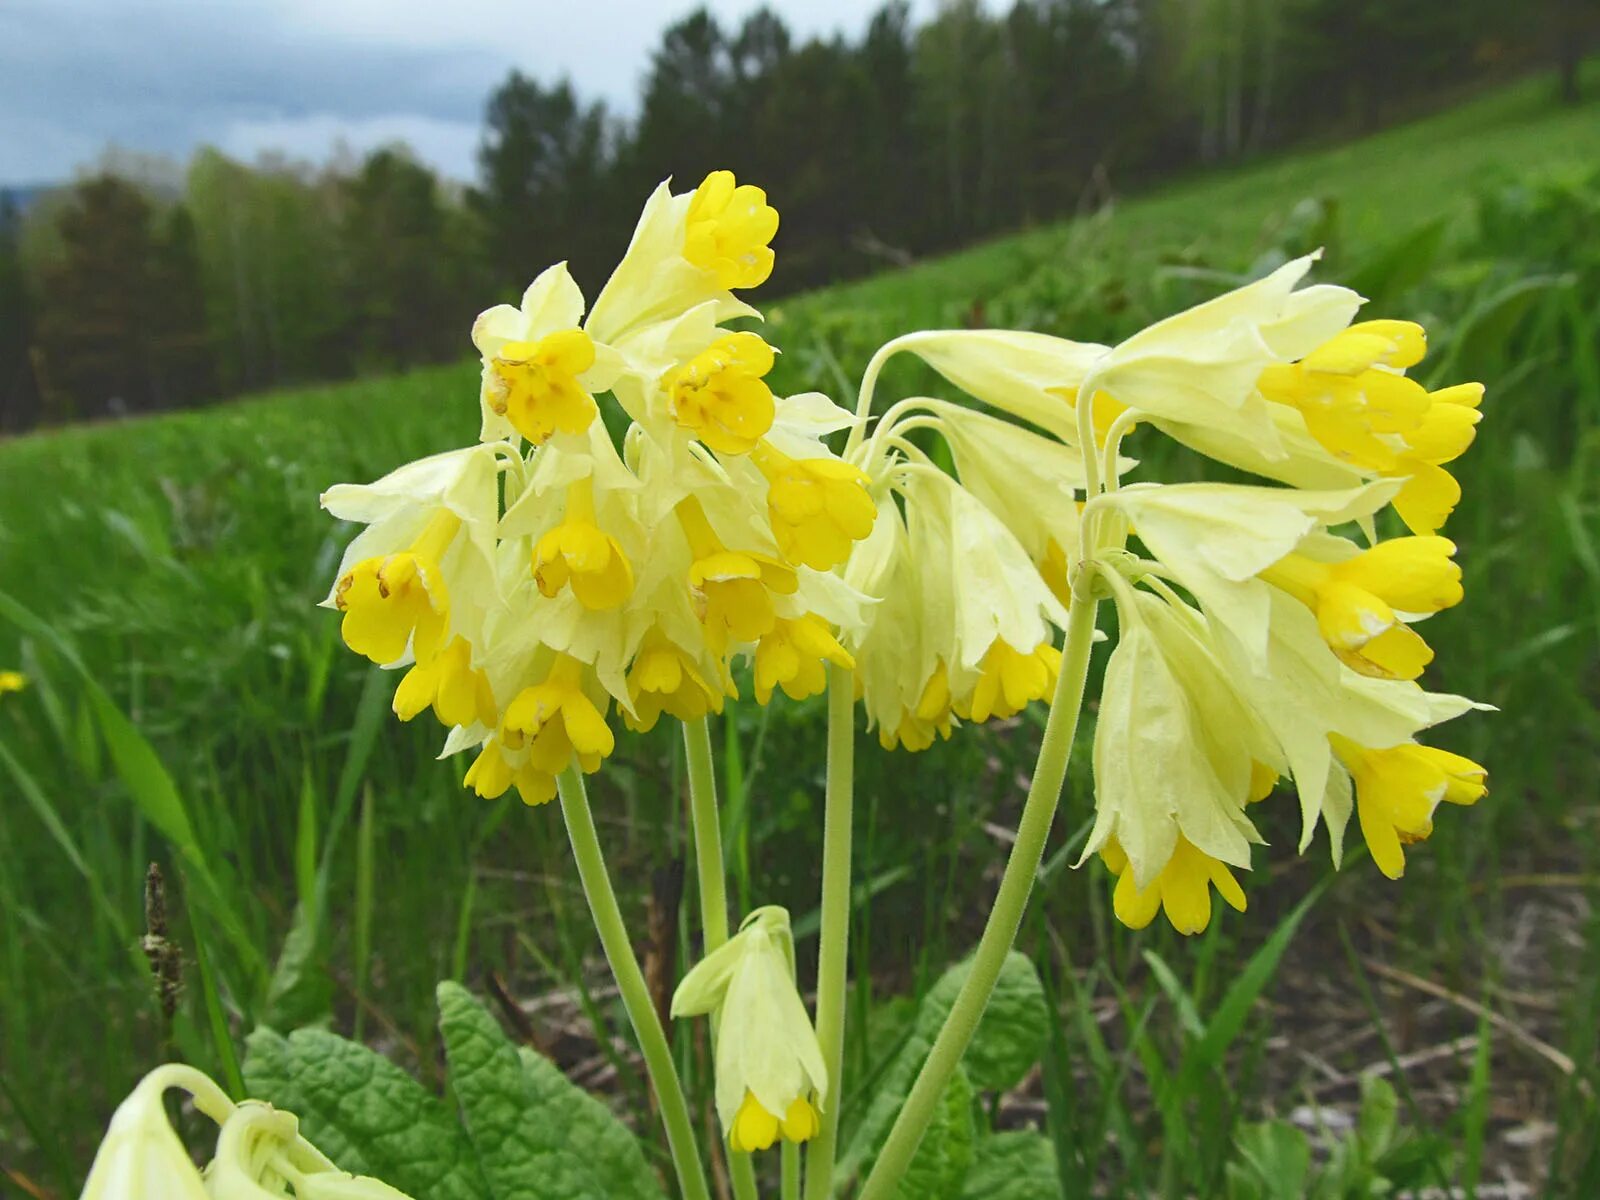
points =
(1357, 600)
(1430, 493)
(792, 656)
(1397, 790)
(1009, 679)
(556, 720)
(399, 600)
(665, 679)
(578, 552)
(729, 231)
(535, 385)
(1182, 888)
(458, 694)
(819, 507)
(732, 590)
(719, 395)
(771, 1079)
(12, 681)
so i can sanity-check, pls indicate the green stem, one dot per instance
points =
(1001, 930)
(630, 983)
(791, 1171)
(834, 955)
(713, 885)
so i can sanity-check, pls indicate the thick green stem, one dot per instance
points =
(713, 886)
(791, 1171)
(1001, 930)
(630, 983)
(834, 955)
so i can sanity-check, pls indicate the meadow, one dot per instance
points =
(190, 706)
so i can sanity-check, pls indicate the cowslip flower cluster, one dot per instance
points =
(259, 1152)
(1266, 633)
(528, 583)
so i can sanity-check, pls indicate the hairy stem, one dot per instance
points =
(834, 954)
(630, 983)
(1000, 932)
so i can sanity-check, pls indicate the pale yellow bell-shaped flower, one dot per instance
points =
(141, 1156)
(1177, 746)
(771, 1078)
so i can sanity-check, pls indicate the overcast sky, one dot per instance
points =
(298, 75)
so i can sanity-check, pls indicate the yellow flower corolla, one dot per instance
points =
(1356, 600)
(399, 600)
(12, 681)
(1397, 790)
(771, 1078)
(1182, 889)
(792, 654)
(729, 231)
(719, 395)
(457, 693)
(732, 590)
(504, 761)
(665, 679)
(578, 552)
(1430, 493)
(557, 721)
(1008, 679)
(819, 507)
(535, 385)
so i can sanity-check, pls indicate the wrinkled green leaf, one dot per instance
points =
(1009, 1040)
(938, 1170)
(365, 1113)
(1013, 1166)
(537, 1136)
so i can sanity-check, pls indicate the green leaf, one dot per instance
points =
(537, 1136)
(938, 1170)
(1009, 1040)
(365, 1113)
(1013, 1166)
(300, 991)
(1272, 1162)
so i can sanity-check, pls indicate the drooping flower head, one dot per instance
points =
(771, 1080)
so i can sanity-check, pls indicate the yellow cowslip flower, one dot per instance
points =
(1430, 493)
(399, 600)
(1176, 747)
(12, 681)
(819, 507)
(503, 761)
(1008, 679)
(458, 693)
(1355, 599)
(557, 721)
(791, 655)
(720, 396)
(732, 590)
(424, 568)
(665, 679)
(539, 366)
(1182, 888)
(1397, 790)
(729, 231)
(578, 552)
(771, 1078)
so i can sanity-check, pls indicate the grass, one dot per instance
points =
(189, 706)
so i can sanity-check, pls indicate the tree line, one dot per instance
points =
(132, 291)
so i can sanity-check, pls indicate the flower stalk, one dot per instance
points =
(1000, 931)
(833, 956)
(635, 992)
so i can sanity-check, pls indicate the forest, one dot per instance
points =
(148, 285)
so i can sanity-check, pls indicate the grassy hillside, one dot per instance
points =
(172, 563)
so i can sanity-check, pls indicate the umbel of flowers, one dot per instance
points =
(567, 578)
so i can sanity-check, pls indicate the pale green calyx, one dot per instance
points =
(770, 1072)
(260, 1153)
